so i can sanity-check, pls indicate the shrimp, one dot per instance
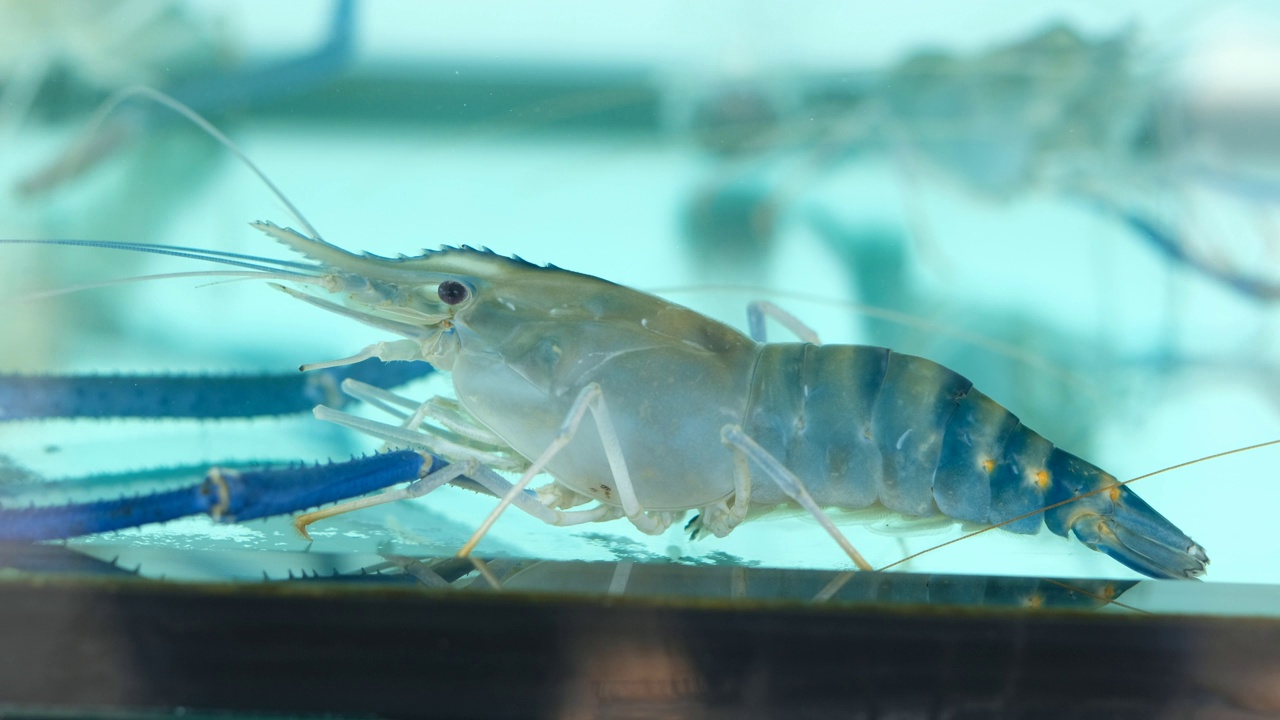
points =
(687, 413)
(691, 414)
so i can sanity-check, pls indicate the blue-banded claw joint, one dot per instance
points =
(219, 484)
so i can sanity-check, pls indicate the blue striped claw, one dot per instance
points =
(251, 494)
(225, 495)
(34, 397)
(53, 522)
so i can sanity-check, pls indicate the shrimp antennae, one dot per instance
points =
(121, 96)
(231, 275)
(255, 267)
(252, 262)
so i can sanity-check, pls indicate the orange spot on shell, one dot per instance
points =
(989, 465)
(1042, 479)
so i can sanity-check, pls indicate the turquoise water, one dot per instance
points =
(564, 149)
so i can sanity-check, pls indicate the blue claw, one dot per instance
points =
(255, 494)
(226, 495)
(25, 397)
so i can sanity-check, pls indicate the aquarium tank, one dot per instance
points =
(379, 358)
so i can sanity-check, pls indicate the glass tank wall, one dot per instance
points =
(1073, 206)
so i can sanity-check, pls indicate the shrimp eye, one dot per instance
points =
(452, 292)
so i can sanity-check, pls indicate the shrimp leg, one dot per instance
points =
(479, 456)
(758, 310)
(447, 412)
(417, 488)
(590, 398)
(745, 448)
(468, 469)
(435, 442)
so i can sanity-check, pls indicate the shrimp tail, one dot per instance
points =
(994, 469)
(1113, 520)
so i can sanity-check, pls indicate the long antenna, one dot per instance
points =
(118, 98)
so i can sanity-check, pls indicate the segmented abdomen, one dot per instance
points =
(861, 425)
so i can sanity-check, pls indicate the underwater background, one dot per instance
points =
(1075, 206)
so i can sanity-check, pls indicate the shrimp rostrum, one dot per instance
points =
(642, 409)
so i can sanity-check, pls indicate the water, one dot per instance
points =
(591, 155)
